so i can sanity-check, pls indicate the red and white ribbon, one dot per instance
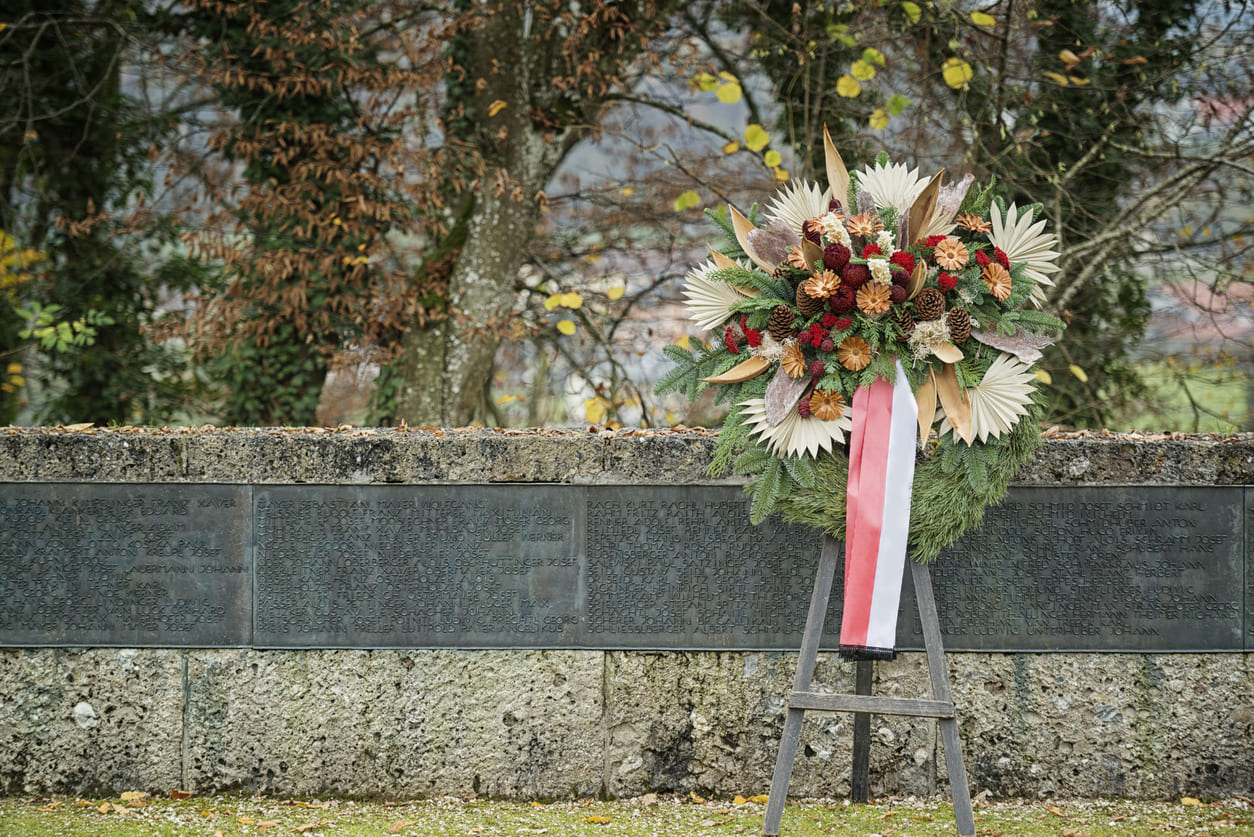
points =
(877, 516)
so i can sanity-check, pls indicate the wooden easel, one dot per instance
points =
(802, 697)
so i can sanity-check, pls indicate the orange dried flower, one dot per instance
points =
(854, 353)
(874, 298)
(822, 285)
(796, 259)
(998, 280)
(794, 360)
(951, 254)
(969, 221)
(826, 405)
(865, 224)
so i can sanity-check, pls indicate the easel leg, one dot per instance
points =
(963, 816)
(860, 778)
(805, 676)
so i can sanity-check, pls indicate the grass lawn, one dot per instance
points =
(221, 816)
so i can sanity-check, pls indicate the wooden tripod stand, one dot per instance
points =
(803, 698)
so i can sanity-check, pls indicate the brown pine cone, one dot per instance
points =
(904, 320)
(959, 322)
(929, 305)
(806, 304)
(780, 325)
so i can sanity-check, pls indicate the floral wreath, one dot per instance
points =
(882, 271)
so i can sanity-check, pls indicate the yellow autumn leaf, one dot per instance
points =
(772, 158)
(131, 796)
(1136, 59)
(1068, 57)
(760, 798)
(780, 174)
(703, 82)
(739, 800)
(848, 86)
(686, 200)
(862, 71)
(756, 137)
(1056, 78)
(13, 368)
(572, 300)
(616, 292)
(1044, 377)
(627, 191)
(1079, 82)
(104, 808)
(696, 799)
(594, 411)
(871, 55)
(552, 302)
(682, 342)
(506, 399)
(956, 73)
(496, 107)
(729, 93)
(1191, 801)
(596, 819)
(912, 10)
(983, 19)
(1079, 373)
(566, 327)
(879, 119)
(731, 148)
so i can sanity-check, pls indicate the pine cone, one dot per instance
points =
(806, 304)
(780, 325)
(929, 305)
(904, 320)
(959, 322)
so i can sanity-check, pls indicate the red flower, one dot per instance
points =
(843, 323)
(854, 276)
(836, 256)
(981, 258)
(754, 337)
(933, 240)
(817, 369)
(871, 250)
(829, 320)
(803, 336)
(803, 407)
(903, 260)
(729, 339)
(946, 282)
(1001, 258)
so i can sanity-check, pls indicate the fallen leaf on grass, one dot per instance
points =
(52, 806)
(760, 798)
(245, 820)
(264, 824)
(1074, 832)
(310, 826)
(1056, 811)
(104, 808)
(218, 833)
(83, 803)
(739, 800)
(696, 799)
(596, 819)
(396, 827)
(1189, 800)
(180, 794)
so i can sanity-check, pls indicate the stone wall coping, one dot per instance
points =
(366, 456)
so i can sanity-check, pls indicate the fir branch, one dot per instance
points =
(801, 469)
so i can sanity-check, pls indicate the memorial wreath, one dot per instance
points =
(886, 304)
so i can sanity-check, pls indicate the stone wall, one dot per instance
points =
(562, 724)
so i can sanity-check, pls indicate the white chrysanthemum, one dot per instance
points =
(709, 301)
(893, 185)
(1000, 400)
(798, 202)
(881, 271)
(887, 241)
(1024, 241)
(830, 224)
(795, 435)
(840, 235)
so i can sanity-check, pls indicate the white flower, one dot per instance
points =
(887, 242)
(795, 435)
(709, 301)
(831, 225)
(798, 202)
(840, 235)
(893, 185)
(881, 271)
(1023, 241)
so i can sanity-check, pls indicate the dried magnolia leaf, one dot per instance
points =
(742, 227)
(922, 209)
(743, 371)
(837, 174)
(1024, 345)
(926, 399)
(916, 279)
(782, 395)
(812, 253)
(957, 408)
(947, 352)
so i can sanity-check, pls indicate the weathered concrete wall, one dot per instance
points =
(539, 724)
